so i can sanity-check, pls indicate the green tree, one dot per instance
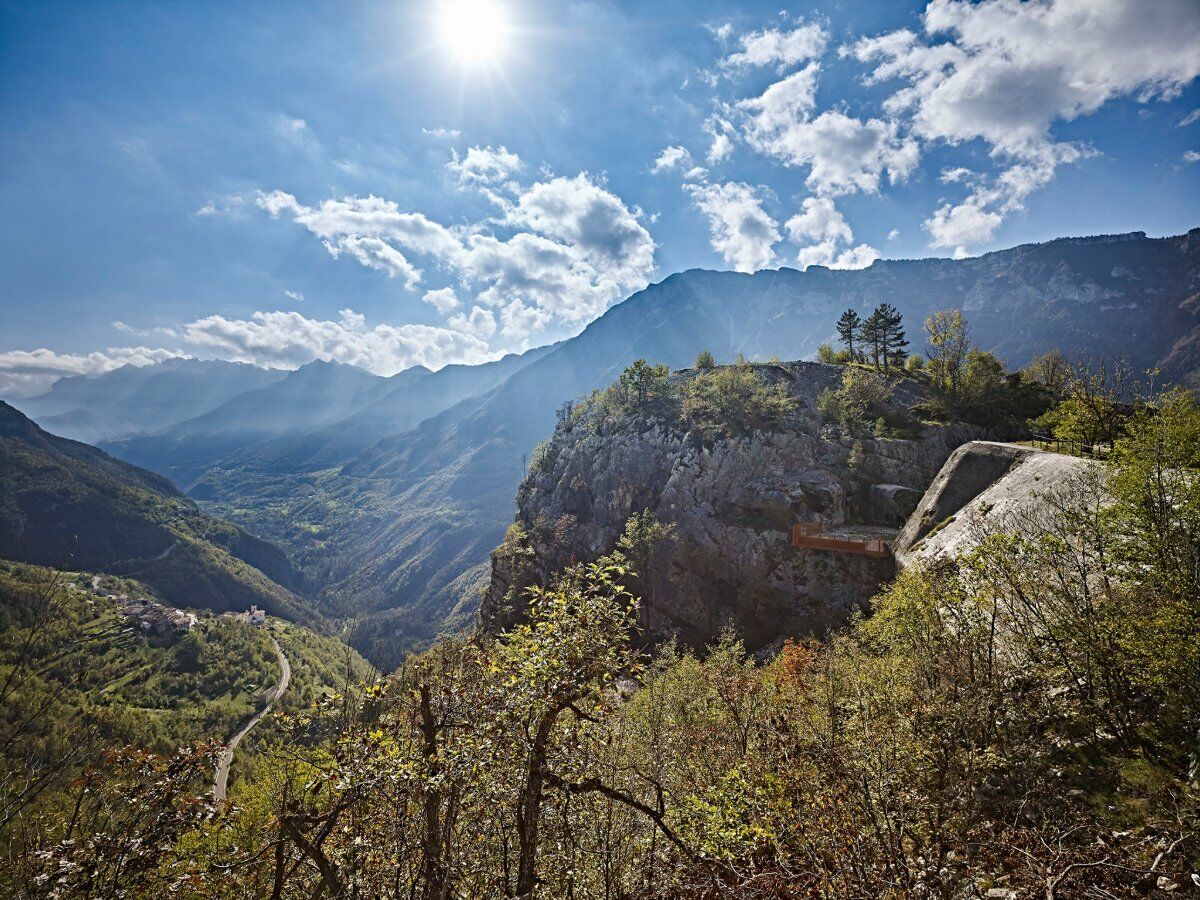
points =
(948, 340)
(871, 333)
(705, 360)
(644, 384)
(848, 329)
(1050, 369)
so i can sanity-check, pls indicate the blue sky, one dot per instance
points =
(387, 184)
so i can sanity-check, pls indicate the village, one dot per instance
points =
(154, 617)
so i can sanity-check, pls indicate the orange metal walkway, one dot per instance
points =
(805, 534)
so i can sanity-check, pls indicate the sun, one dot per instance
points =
(474, 31)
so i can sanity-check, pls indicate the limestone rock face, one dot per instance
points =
(732, 504)
(985, 487)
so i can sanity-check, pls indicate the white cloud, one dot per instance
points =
(721, 32)
(229, 206)
(1004, 71)
(288, 340)
(481, 323)
(975, 219)
(843, 153)
(696, 173)
(823, 233)
(484, 165)
(518, 322)
(298, 296)
(376, 253)
(25, 373)
(893, 234)
(773, 46)
(1190, 119)
(442, 133)
(444, 299)
(955, 174)
(742, 231)
(1191, 156)
(1009, 68)
(966, 223)
(722, 132)
(573, 248)
(671, 158)
(295, 131)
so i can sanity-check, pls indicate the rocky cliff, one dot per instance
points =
(985, 487)
(731, 504)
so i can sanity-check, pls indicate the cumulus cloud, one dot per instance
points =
(481, 323)
(27, 373)
(1005, 70)
(443, 299)
(484, 165)
(571, 248)
(741, 230)
(843, 153)
(288, 340)
(671, 158)
(975, 219)
(773, 46)
(824, 235)
(722, 132)
(1191, 156)
(376, 254)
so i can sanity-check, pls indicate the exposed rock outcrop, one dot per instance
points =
(731, 504)
(984, 486)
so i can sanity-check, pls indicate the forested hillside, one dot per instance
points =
(66, 503)
(1018, 720)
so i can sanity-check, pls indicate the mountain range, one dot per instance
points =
(64, 503)
(389, 493)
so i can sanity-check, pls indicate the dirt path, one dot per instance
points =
(226, 758)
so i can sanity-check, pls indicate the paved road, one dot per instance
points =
(222, 776)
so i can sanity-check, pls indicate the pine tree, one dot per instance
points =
(847, 328)
(893, 343)
(871, 335)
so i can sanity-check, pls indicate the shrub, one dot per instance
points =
(704, 360)
(826, 354)
(915, 363)
(734, 401)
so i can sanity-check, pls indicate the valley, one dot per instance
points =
(388, 495)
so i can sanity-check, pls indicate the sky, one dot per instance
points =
(389, 184)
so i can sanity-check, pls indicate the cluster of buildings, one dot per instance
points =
(253, 616)
(151, 615)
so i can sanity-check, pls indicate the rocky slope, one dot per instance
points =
(985, 487)
(731, 504)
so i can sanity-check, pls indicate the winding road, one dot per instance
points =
(226, 758)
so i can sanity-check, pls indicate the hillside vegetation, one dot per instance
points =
(1018, 721)
(79, 680)
(62, 502)
(398, 533)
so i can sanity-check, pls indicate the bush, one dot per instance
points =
(734, 401)
(862, 404)
(704, 360)
(915, 363)
(826, 354)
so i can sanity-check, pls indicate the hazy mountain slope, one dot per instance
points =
(307, 399)
(428, 505)
(136, 399)
(57, 496)
(411, 397)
